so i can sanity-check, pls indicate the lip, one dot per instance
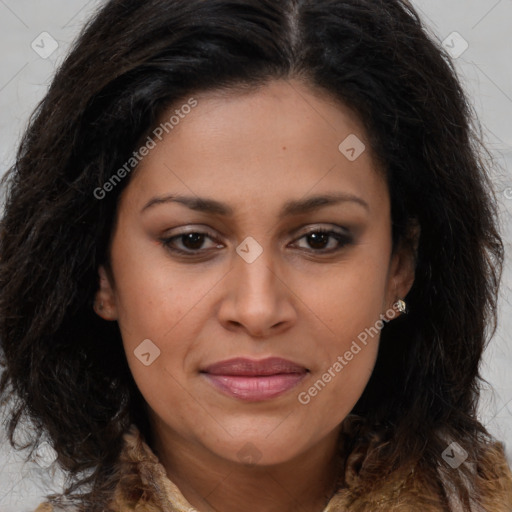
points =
(242, 366)
(254, 380)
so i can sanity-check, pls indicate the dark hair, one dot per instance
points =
(130, 63)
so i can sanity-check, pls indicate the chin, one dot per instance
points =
(256, 450)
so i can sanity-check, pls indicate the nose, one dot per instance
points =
(258, 299)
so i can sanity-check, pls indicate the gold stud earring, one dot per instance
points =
(401, 306)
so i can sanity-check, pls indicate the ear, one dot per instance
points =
(104, 301)
(402, 267)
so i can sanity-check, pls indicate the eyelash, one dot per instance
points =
(343, 240)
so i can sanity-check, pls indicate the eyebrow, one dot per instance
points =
(290, 208)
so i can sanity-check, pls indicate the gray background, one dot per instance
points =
(26, 69)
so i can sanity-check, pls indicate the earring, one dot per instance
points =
(401, 306)
(100, 306)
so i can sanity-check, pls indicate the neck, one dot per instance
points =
(209, 482)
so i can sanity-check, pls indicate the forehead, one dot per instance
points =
(254, 148)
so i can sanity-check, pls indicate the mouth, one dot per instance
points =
(244, 367)
(251, 380)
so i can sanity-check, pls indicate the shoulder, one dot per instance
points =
(489, 483)
(416, 488)
(45, 507)
(493, 479)
(50, 507)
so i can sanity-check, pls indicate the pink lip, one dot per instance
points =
(251, 380)
(242, 366)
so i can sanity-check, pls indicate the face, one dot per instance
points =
(249, 232)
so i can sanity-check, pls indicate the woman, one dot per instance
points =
(249, 255)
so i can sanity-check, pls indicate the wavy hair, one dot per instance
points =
(133, 59)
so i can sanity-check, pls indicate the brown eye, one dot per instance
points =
(193, 241)
(319, 240)
(190, 244)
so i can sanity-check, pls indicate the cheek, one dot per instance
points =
(349, 354)
(349, 307)
(152, 295)
(167, 306)
(166, 312)
(348, 297)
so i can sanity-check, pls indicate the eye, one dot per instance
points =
(325, 240)
(191, 242)
(319, 241)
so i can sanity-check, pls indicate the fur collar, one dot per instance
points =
(143, 486)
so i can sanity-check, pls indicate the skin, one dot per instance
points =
(253, 151)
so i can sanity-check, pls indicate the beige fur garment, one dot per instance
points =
(143, 486)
